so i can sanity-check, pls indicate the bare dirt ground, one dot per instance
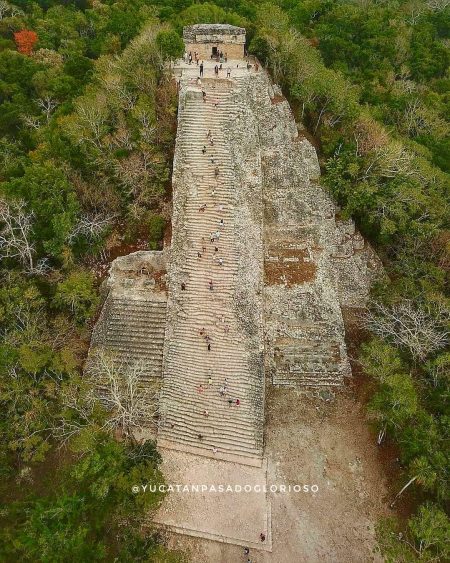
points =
(311, 440)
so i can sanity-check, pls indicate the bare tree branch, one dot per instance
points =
(91, 225)
(415, 328)
(131, 404)
(15, 230)
(31, 121)
(47, 105)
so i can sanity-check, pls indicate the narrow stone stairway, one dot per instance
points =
(211, 400)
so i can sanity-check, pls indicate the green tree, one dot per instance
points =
(156, 226)
(425, 538)
(395, 403)
(51, 197)
(77, 295)
(430, 529)
(208, 12)
(88, 504)
(170, 43)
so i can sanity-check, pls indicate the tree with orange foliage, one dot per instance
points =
(25, 41)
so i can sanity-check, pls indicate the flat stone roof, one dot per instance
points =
(191, 31)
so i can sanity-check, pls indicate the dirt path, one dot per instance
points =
(314, 441)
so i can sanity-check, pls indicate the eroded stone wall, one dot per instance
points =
(314, 264)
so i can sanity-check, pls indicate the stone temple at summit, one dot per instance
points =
(208, 40)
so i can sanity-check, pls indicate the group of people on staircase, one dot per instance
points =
(214, 239)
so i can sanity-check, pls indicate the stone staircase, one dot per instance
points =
(308, 356)
(134, 328)
(129, 333)
(193, 375)
(304, 333)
